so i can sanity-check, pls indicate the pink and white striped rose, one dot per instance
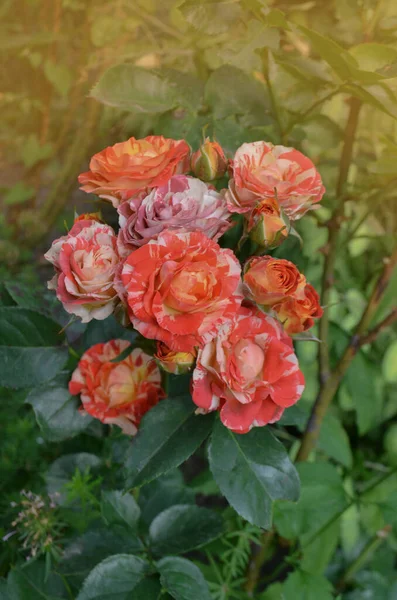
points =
(261, 170)
(249, 372)
(85, 262)
(184, 203)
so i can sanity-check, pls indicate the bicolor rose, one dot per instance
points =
(184, 203)
(117, 393)
(271, 280)
(266, 226)
(297, 314)
(129, 168)
(261, 170)
(249, 372)
(209, 162)
(180, 288)
(85, 262)
(173, 362)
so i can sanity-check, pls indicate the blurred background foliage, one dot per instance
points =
(78, 75)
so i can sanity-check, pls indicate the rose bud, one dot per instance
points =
(271, 280)
(209, 162)
(117, 393)
(297, 314)
(266, 225)
(173, 362)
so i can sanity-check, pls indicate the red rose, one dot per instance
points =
(249, 372)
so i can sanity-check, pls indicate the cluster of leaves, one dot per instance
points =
(244, 70)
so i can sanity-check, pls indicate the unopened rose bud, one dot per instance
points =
(209, 162)
(176, 363)
(266, 225)
(95, 216)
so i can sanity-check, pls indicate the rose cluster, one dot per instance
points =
(166, 270)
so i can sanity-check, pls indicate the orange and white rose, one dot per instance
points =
(132, 168)
(180, 288)
(271, 280)
(117, 393)
(297, 314)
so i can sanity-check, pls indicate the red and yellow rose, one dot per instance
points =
(117, 393)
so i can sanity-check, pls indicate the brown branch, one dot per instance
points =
(255, 566)
(360, 337)
(373, 333)
(334, 226)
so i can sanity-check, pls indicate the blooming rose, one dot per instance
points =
(85, 261)
(209, 162)
(184, 203)
(261, 170)
(266, 225)
(117, 392)
(180, 287)
(271, 280)
(249, 372)
(122, 171)
(174, 362)
(297, 314)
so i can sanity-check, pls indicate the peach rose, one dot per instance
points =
(85, 262)
(177, 363)
(261, 170)
(271, 280)
(180, 287)
(117, 393)
(183, 203)
(266, 226)
(249, 372)
(297, 314)
(129, 168)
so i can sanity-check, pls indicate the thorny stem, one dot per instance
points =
(369, 548)
(360, 337)
(333, 226)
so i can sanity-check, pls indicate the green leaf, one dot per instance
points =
(33, 152)
(116, 577)
(322, 497)
(84, 552)
(336, 56)
(188, 89)
(301, 585)
(182, 579)
(372, 56)
(132, 88)
(165, 491)
(120, 508)
(149, 589)
(252, 470)
(98, 332)
(59, 76)
(27, 348)
(19, 194)
(180, 529)
(334, 441)
(211, 17)
(230, 91)
(179, 432)
(378, 95)
(389, 364)
(361, 379)
(29, 582)
(56, 410)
